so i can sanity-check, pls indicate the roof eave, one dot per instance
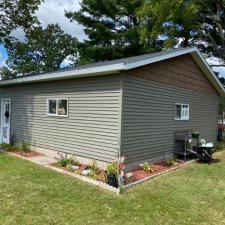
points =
(102, 70)
(160, 58)
(116, 68)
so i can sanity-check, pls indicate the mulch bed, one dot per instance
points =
(135, 175)
(140, 174)
(28, 154)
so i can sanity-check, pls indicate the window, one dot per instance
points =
(57, 107)
(181, 112)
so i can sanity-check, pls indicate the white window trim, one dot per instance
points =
(182, 118)
(57, 100)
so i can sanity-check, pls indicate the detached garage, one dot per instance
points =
(127, 107)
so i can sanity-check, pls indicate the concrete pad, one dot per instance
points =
(43, 160)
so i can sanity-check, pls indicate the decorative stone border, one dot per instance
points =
(86, 179)
(78, 176)
(104, 185)
(128, 186)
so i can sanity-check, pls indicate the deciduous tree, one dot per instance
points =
(14, 14)
(43, 50)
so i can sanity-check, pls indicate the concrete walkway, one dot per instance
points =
(46, 158)
(42, 160)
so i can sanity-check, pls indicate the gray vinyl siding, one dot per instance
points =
(148, 117)
(92, 127)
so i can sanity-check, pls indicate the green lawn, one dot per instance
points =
(30, 194)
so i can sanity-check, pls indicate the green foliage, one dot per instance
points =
(94, 168)
(112, 168)
(171, 162)
(69, 167)
(44, 50)
(25, 146)
(8, 147)
(187, 23)
(148, 167)
(63, 161)
(113, 30)
(175, 20)
(219, 146)
(14, 14)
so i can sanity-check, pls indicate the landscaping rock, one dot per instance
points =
(85, 172)
(75, 167)
(128, 175)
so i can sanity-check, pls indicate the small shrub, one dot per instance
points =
(148, 167)
(171, 162)
(219, 146)
(25, 146)
(69, 168)
(94, 168)
(112, 168)
(62, 161)
(93, 175)
(8, 147)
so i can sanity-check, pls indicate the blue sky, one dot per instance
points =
(3, 55)
(52, 11)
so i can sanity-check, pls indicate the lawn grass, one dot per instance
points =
(30, 194)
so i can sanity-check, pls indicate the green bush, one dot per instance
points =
(219, 146)
(62, 161)
(25, 146)
(8, 147)
(112, 168)
(94, 168)
(171, 162)
(69, 168)
(148, 167)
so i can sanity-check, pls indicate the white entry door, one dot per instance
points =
(5, 120)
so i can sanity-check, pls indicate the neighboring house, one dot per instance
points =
(128, 107)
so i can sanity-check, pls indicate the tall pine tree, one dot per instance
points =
(113, 30)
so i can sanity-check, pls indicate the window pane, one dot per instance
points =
(62, 107)
(185, 111)
(178, 111)
(52, 106)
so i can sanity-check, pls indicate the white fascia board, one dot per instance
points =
(66, 74)
(159, 58)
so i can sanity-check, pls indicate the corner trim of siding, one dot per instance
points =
(121, 102)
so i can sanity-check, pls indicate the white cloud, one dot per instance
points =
(19, 34)
(217, 61)
(52, 11)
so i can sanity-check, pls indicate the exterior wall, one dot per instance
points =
(149, 96)
(92, 128)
